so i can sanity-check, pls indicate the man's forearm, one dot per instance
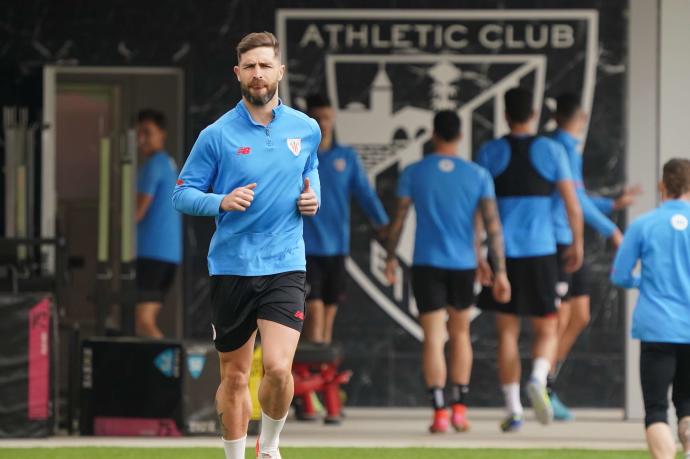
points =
(393, 238)
(396, 228)
(192, 201)
(494, 234)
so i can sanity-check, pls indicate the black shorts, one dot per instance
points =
(238, 301)
(571, 284)
(154, 279)
(663, 365)
(326, 279)
(437, 288)
(533, 285)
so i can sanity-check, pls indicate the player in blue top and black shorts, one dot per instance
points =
(574, 312)
(327, 234)
(256, 171)
(159, 226)
(448, 194)
(527, 170)
(660, 241)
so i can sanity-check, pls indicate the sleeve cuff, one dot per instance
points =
(213, 204)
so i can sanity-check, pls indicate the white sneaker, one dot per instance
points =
(540, 401)
(266, 454)
(269, 455)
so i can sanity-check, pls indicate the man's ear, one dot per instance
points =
(236, 69)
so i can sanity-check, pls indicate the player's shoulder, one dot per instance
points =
(161, 158)
(299, 117)
(646, 219)
(473, 167)
(412, 167)
(346, 151)
(494, 146)
(223, 122)
(548, 144)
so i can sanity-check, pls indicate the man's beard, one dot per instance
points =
(259, 100)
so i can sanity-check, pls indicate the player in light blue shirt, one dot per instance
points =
(660, 241)
(159, 226)
(256, 171)
(448, 194)
(527, 171)
(574, 312)
(327, 234)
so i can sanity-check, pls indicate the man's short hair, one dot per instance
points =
(317, 100)
(676, 177)
(447, 125)
(155, 116)
(257, 40)
(518, 104)
(567, 106)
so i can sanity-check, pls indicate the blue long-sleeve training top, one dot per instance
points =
(593, 209)
(660, 240)
(236, 151)
(342, 177)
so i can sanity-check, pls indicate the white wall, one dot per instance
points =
(658, 118)
(674, 79)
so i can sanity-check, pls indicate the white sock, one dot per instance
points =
(511, 393)
(234, 449)
(540, 370)
(270, 432)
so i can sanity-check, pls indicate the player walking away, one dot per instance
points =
(447, 192)
(260, 161)
(159, 227)
(660, 240)
(527, 170)
(574, 289)
(327, 235)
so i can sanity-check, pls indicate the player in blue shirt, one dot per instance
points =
(660, 241)
(447, 193)
(159, 226)
(527, 170)
(327, 235)
(574, 312)
(256, 171)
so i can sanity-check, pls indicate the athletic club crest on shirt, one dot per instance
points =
(295, 146)
(339, 164)
(446, 165)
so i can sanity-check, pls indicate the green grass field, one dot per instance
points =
(316, 453)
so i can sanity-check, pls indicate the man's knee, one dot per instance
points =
(234, 381)
(546, 327)
(278, 370)
(581, 319)
(508, 333)
(145, 314)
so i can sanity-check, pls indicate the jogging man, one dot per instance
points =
(660, 240)
(527, 170)
(327, 235)
(448, 193)
(159, 227)
(260, 161)
(574, 312)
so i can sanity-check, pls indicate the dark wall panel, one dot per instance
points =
(584, 50)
